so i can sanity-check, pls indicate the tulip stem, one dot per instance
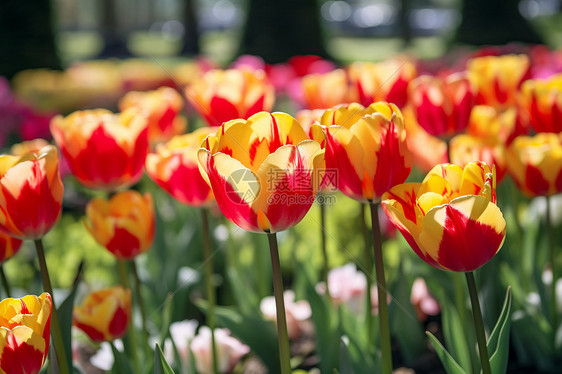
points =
(207, 258)
(323, 243)
(478, 323)
(381, 288)
(552, 255)
(141, 306)
(56, 333)
(282, 336)
(131, 341)
(5, 283)
(368, 276)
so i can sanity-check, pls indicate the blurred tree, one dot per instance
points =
(190, 45)
(114, 37)
(27, 37)
(494, 22)
(277, 30)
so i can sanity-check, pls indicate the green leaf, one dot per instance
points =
(160, 364)
(121, 364)
(454, 334)
(65, 316)
(449, 363)
(498, 343)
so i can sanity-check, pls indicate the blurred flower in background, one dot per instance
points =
(296, 312)
(229, 350)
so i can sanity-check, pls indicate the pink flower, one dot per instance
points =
(296, 312)
(423, 301)
(229, 350)
(347, 286)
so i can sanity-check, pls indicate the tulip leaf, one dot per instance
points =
(498, 343)
(451, 366)
(160, 364)
(120, 363)
(65, 316)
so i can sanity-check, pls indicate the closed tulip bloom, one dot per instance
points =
(25, 325)
(498, 78)
(464, 149)
(535, 163)
(30, 193)
(104, 150)
(451, 219)
(543, 102)
(124, 225)
(161, 107)
(382, 81)
(367, 147)
(493, 125)
(322, 91)
(229, 350)
(442, 105)
(223, 95)
(9, 246)
(104, 314)
(175, 168)
(264, 172)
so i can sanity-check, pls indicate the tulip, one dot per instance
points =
(498, 78)
(9, 246)
(104, 150)
(367, 147)
(104, 314)
(346, 286)
(422, 300)
(535, 163)
(543, 102)
(30, 193)
(174, 167)
(442, 106)
(229, 350)
(494, 126)
(263, 171)
(24, 333)
(161, 107)
(297, 312)
(182, 333)
(223, 95)
(451, 219)
(464, 149)
(383, 81)
(322, 91)
(124, 225)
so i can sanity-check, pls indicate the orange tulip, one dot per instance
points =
(175, 168)
(451, 219)
(30, 193)
(124, 225)
(223, 95)
(25, 325)
(367, 147)
(104, 150)
(543, 102)
(104, 314)
(442, 106)
(383, 81)
(535, 163)
(264, 172)
(9, 246)
(498, 78)
(161, 107)
(322, 91)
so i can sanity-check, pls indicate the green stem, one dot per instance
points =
(323, 244)
(369, 318)
(381, 286)
(141, 307)
(478, 323)
(131, 341)
(284, 352)
(56, 333)
(5, 283)
(552, 255)
(207, 258)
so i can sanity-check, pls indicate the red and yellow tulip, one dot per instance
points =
(223, 95)
(451, 219)
(367, 147)
(104, 314)
(175, 168)
(498, 78)
(264, 172)
(535, 163)
(124, 225)
(104, 150)
(30, 193)
(161, 107)
(25, 325)
(464, 149)
(543, 102)
(322, 91)
(442, 106)
(9, 246)
(383, 81)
